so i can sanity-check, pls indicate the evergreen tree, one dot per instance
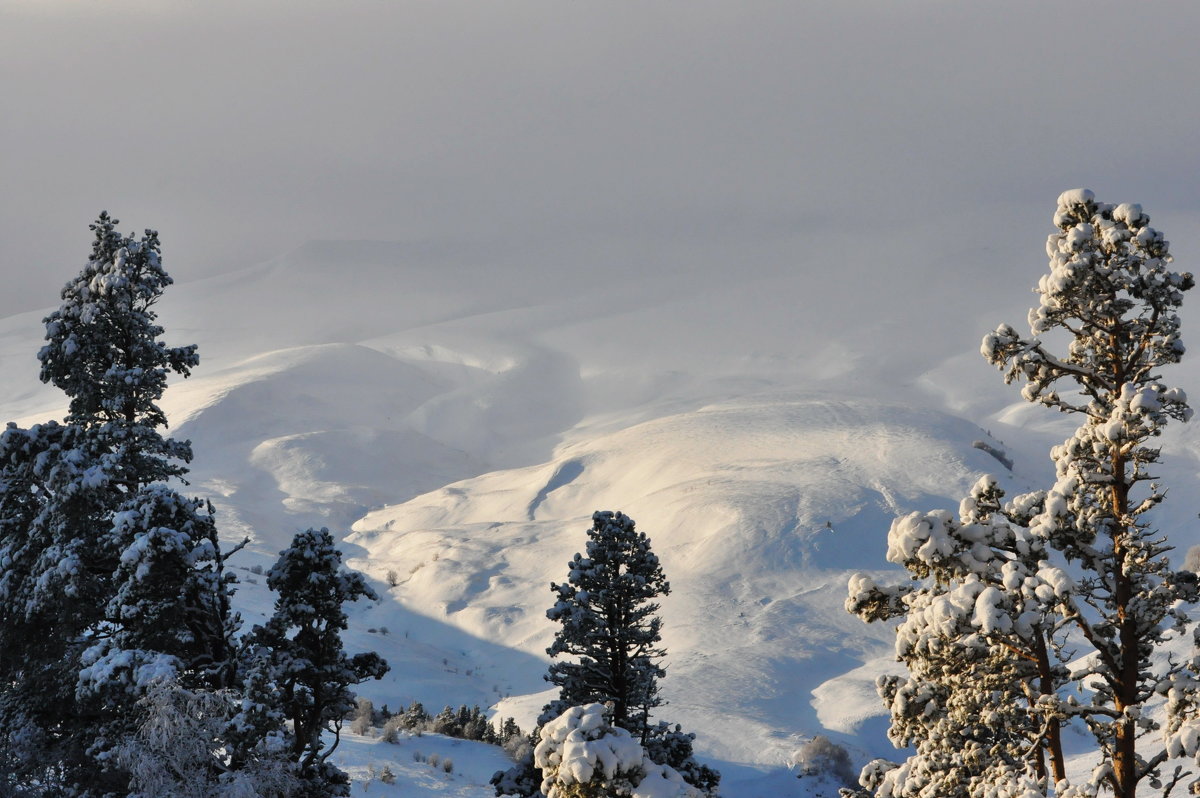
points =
(298, 659)
(415, 717)
(607, 612)
(1008, 594)
(608, 619)
(111, 579)
(446, 722)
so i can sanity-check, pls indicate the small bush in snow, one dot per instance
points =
(820, 756)
(448, 765)
(391, 729)
(387, 776)
(517, 747)
(362, 717)
(1192, 561)
(435, 761)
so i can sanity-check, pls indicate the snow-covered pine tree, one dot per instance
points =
(1006, 595)
(607, 611)
(111, 579)
(297, 661)
(446, 722)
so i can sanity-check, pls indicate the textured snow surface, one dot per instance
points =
(457, 426)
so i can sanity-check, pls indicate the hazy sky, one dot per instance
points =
(242, 129)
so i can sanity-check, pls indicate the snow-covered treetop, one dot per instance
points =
(619, 567)
(311, 582)
(102, 344)
(1111, 289)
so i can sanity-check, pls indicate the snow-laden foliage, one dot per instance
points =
(582, 754)
(975, 635)
(297, 669)
(179, 749)
(1007, 593)
(111, 580)
(672, 747)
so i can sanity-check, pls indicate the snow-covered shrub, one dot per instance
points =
(391, 729)
(435, 761)
(384, 775)
(672, 746)
(448, 765)
(581, 754)
(821, 756)
(176, 750)
(522, 779)
(1192, 561)
(363, 713)
(517, 747)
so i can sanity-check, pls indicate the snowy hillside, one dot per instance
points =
(756, 507)
(457, 430)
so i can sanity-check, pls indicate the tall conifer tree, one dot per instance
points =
(611, 629)
(112, 580)
(607, 611)
(1009, 594)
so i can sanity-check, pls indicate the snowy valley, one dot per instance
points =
(458, 450)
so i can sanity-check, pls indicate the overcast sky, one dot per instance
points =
(242, 129)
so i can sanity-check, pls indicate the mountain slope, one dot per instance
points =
(757, 507)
